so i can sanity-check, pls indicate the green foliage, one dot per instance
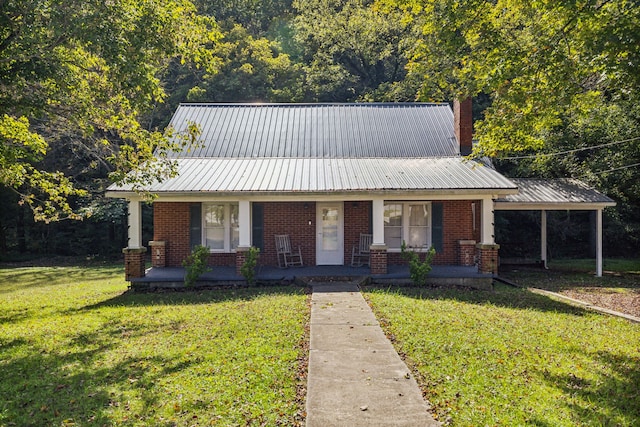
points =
(352, 51)
(76, 348)
(248, 268)
(418, 269)
(196, 264)
(510, 357)
(252, 69)
(539, 61)
(76, 77)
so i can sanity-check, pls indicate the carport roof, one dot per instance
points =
(553, 194)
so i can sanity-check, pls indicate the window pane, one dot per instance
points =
(235, 237)
(393, 214)
(215, 237)
(234, 228)
(418, 226)
(393, 237)
(214, 216)
(234, 212)
(418, 215)
(418, 237)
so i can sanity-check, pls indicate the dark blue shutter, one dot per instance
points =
(195, 224)
(436, 226)
(257, 226)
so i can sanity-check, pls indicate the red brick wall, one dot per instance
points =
(357, 219)
(290, 218)
(171, 225)
(457, 225)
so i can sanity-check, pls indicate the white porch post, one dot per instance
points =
(543, 237)
(488, 234)
(135, 224)
(599, 242)
(244, 220)
(378, 221)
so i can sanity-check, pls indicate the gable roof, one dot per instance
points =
(320, 131)
(324, 148)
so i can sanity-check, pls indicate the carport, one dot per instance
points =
(556, 194)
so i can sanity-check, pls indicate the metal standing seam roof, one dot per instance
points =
(280, 148)
(283, 175)
(360, 130)
(550, 192)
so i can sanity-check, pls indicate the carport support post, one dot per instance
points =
(599, 242)
(543, 237)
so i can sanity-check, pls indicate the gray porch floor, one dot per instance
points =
(271, 274)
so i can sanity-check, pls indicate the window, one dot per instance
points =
(220, 226)
(409, 222)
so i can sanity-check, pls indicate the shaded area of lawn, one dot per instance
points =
(76, 348)
(618, 289)
(510, 357)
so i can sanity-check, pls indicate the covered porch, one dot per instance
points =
(450, 275)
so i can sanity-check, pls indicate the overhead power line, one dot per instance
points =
(611, 170)
(559, 153)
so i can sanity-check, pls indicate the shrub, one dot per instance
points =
(196, 264)
(418, 270)
(248, 268)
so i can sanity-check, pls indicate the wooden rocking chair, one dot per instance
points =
(360, 255)
(286, 257)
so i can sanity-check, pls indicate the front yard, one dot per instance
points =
(75, 349)
(509, 357)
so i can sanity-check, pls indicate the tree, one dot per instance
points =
(77, 75)
(251, 70)
(353, 51)
(540, 61)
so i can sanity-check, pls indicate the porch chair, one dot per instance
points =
(360, 255)
(285, 254)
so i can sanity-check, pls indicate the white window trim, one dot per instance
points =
(227, 227)
(405, 224)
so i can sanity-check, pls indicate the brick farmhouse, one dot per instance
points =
(323, 174)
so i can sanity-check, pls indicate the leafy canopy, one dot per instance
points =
(79, 74)
(540, 61)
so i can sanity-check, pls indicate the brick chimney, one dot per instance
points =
(463, 125)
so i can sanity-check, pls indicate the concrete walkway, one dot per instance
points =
(356, 378)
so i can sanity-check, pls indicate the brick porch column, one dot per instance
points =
(241, 256)
(466, 252)
(378, 259)
(134, 262)
(158, 253)
(487, 258)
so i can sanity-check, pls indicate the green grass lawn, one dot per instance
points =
(509, 357)
(76, 349)
(620, 275)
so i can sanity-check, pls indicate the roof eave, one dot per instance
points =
(559, 206)
(359, 194)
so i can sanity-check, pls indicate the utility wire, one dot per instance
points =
(611, 170)
(534, 156)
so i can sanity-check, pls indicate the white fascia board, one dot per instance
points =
(333, 196)
(575, 206)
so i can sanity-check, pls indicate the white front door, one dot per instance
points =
(330, 234)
